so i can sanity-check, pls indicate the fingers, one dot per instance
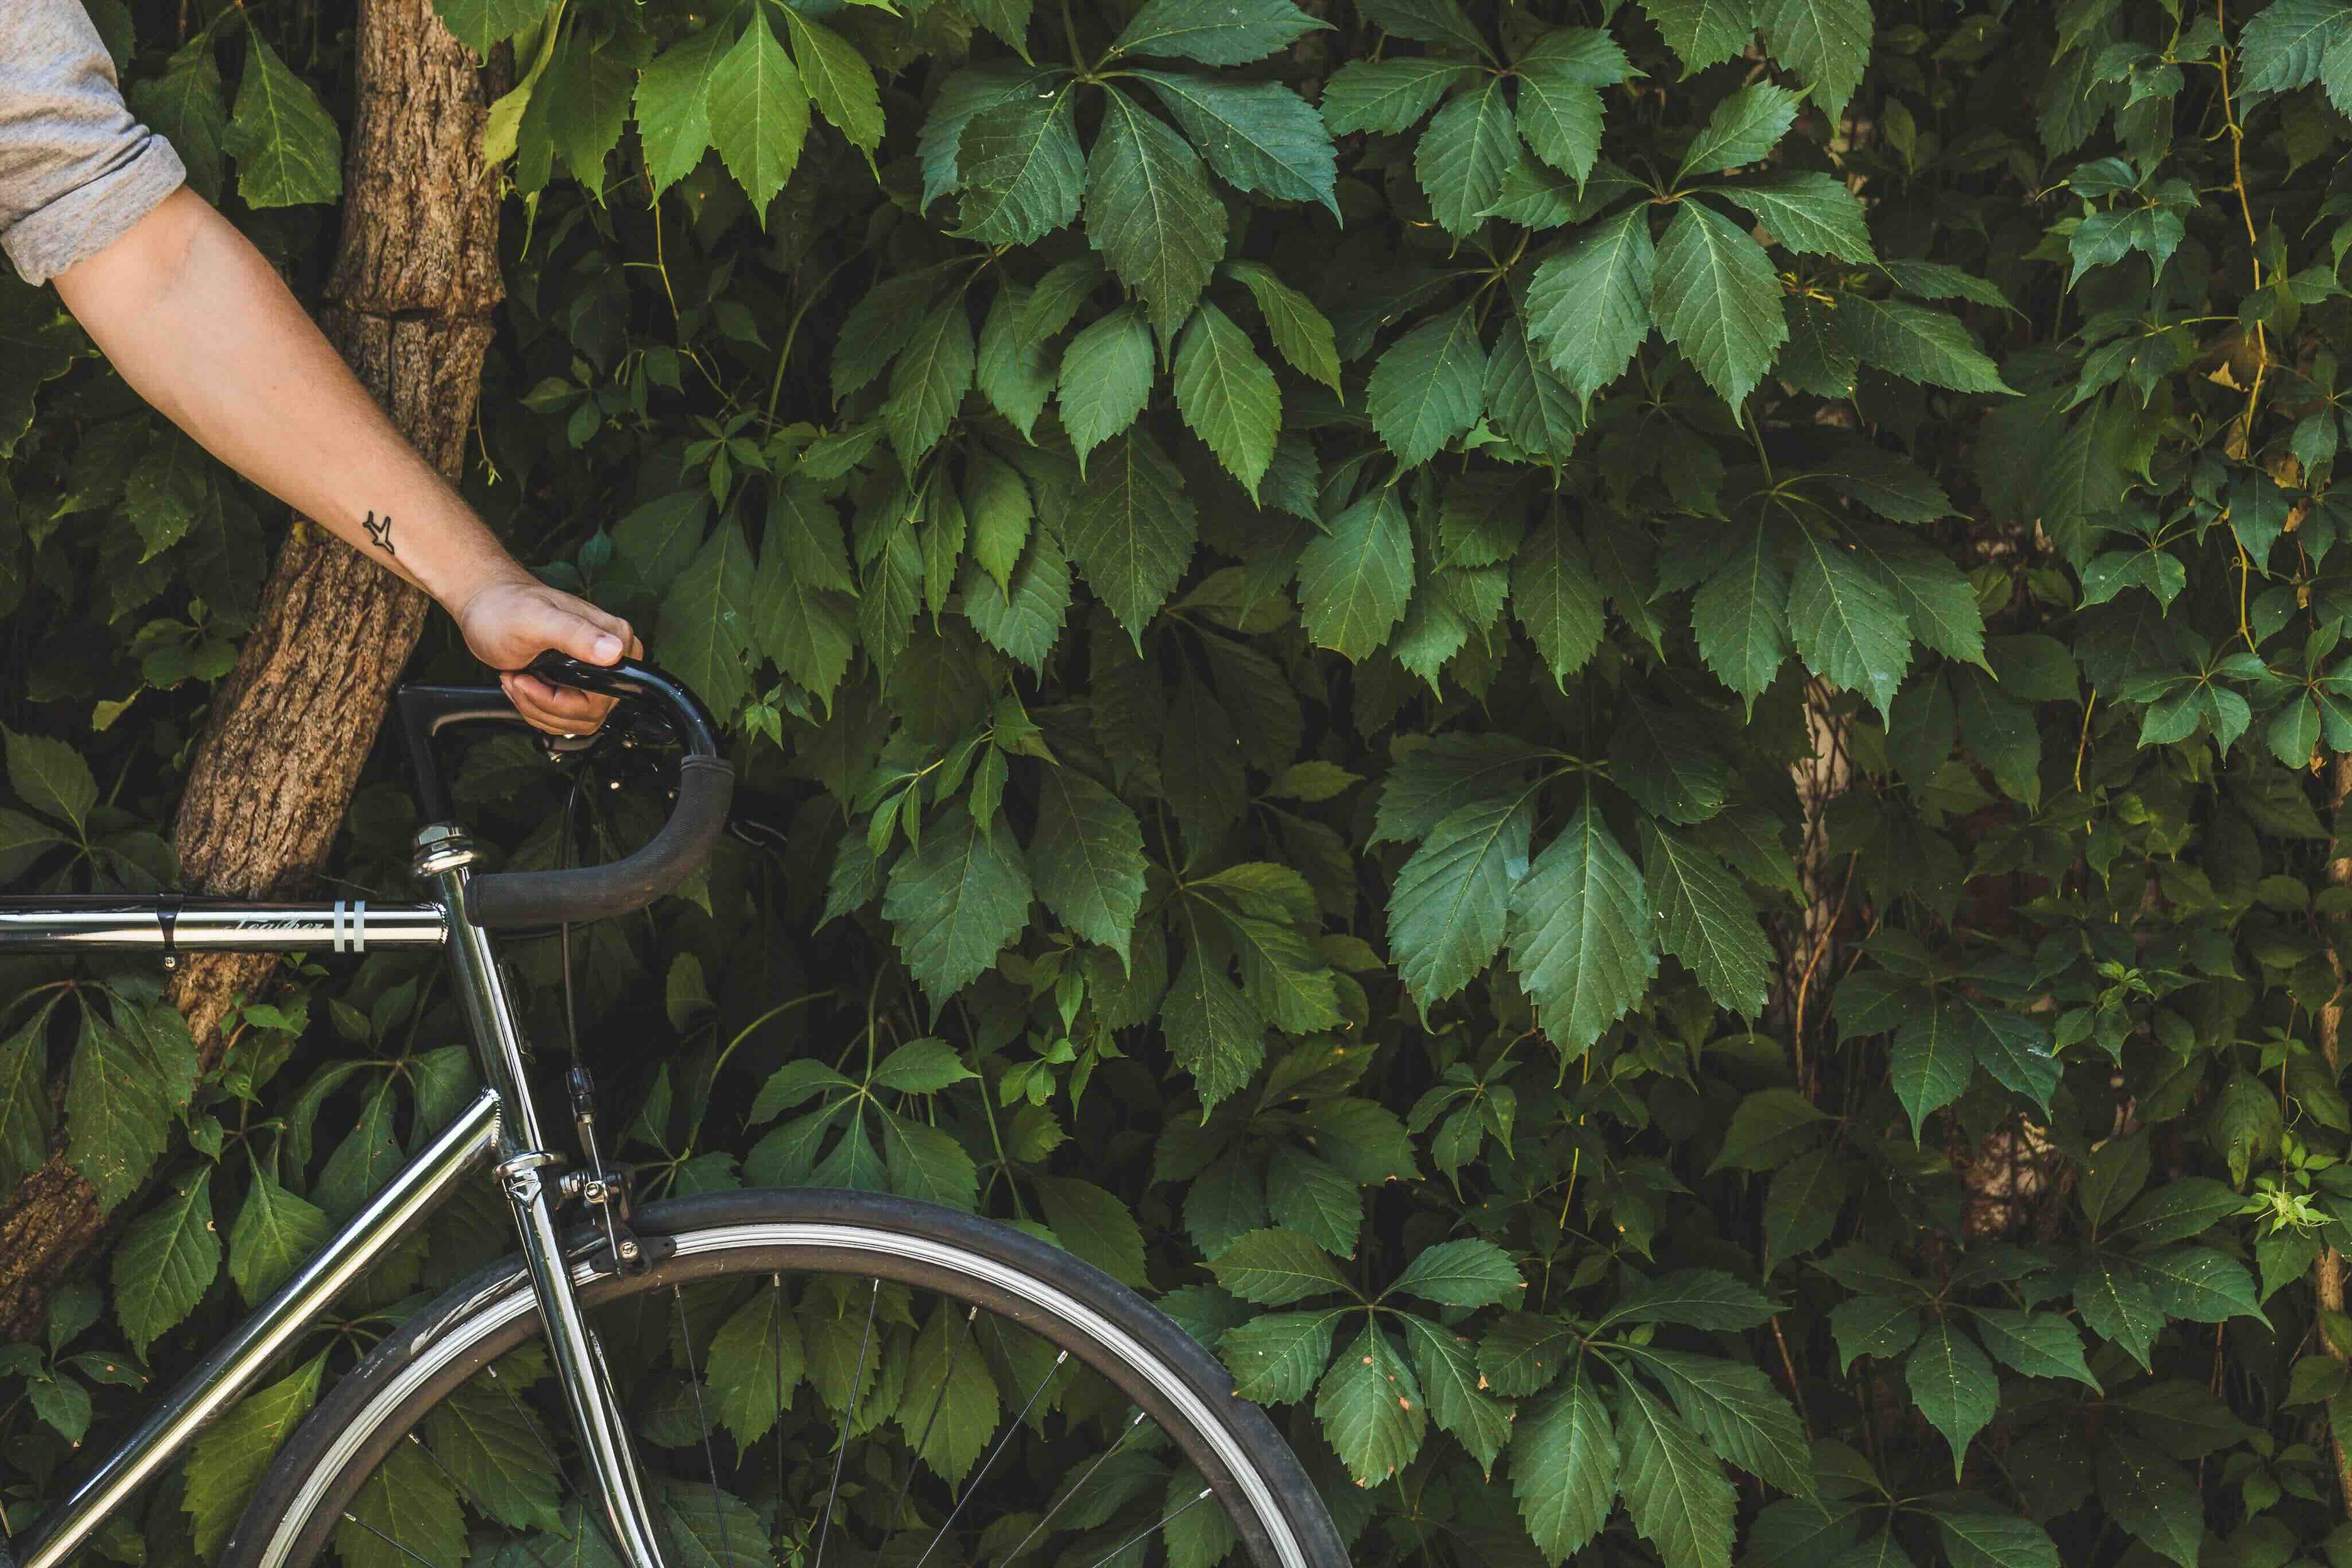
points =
(559, 710)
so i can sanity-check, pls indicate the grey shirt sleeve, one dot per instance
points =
(76, 169)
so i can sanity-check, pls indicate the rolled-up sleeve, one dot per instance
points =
(76, 169)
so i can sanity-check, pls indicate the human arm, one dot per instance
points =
(201, 326)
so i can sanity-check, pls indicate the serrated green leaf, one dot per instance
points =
(1301, 334)
(1953, 1386)
(226, 1464)
(275, 1233)
(1718, 299)
(1705, 919)
(1388, 95)
(1355, 581)
(1020, 168)
(841, 85)
(1916, 343)
(1106, 378)
(1564, 1470)
(1580, 935)
(1672, 1487)
(1559, 115)
(1589, 303)
(1447, 910)
(1277, 1358)
(2038, 1344)
(1825, 41)
(1468, 1272)
(1702, 32)
(1371, 1409)
(1276, 1267)
(288, 149)
(1845, 621)
(1132, 528)
(673, 101)
(1806, 211)
(1742, 129)
(1214, 32)
(1150, 211)
(956, 901)
(168, 1258)
(1086, 855)
(1227, 395)
(1424, 391)
(759, 113)
(1258, 136)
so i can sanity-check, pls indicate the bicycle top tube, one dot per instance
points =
(171, 924)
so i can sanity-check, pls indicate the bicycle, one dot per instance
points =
(462, 1387)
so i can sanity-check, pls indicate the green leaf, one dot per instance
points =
(1930, 1063)
(1827, 42)
(673, 102)
(1275, 1268)
(1845, 621)
(1448, 1366)
(1564, 1470)
(1737, 1410)
(1463, 155)
(1702, 32)
(1021, 171)
(1802, 1203)
(276, 1233)
(25, 1112)
(841, 85)
(961, 96)
(226, 1463)
(1740, 616)
(1557, 599)
(2286, 47)
(1916, 343)
(1769, 1127)
(51, 778)
(1705, 920)
(934, 371)
(759, 113)
(1447, 910)
(1227, 395)
(2198, 1284)
(2115, 1306)
(481, 1433)
(1425, 390)
(1015, 372)
(1087, 856)
(1132, 528)
(184, 105)
(1213, 1031)
(1276, 1358)
(1589, 303)
(1806, 211)
(408, 1501)
(1214, 32)
(1872, 1325)
(287, 149)
(1742, 130)
(1996, 1541)
(1355, 581)
(1427, 21)
(956, 901)
(1150, 211)
(1388, 95)
(2151, 1497)
(1559, 115)
(1527, 401)
(168, 1258)
(1464, 1273)
(482, 25)
(1258, 136)
(1953, 1386)
(1580, 933)
(1097, 1226)
(1665, 762)
(1371, 1409)
(1301, 334)
(2038, 1344)
(705, 632)
(1023, 619)
(1700, 1298)
(1106, 378)
(584, 106)
(1674, 1488)
(1718, 299)
(116, 1120)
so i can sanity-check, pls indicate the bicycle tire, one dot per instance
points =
(1277, 1513)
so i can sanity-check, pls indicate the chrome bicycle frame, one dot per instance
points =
(501, 1129)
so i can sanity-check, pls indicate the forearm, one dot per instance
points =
(200, 325)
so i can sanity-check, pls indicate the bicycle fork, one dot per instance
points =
(528, 1172)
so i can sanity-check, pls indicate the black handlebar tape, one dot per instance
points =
(517, 898)
(705, 784)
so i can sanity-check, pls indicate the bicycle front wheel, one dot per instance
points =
(811, 1377)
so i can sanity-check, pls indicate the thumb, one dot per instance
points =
(565, 630)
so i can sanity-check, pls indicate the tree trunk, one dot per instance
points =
(409, 305)
(2327, 1273)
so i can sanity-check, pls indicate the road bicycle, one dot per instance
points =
(561, 1396)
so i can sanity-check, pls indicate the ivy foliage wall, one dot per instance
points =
(1609, 729)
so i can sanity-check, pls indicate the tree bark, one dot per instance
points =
(409, 305)
(2328, 1272)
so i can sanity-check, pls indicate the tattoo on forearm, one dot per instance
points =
(381, 532)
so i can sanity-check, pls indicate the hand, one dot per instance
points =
(512, 621)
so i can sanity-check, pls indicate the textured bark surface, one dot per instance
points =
(409, 305)
(2327, 1273)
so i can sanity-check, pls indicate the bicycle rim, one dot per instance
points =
(937, 1389)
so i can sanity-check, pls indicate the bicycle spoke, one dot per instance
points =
(1080, 1486)
(389, 1541)
(848, 1419)
(562, 1475)
(701, 1416)
(776, 1320)
(987, 1464)
(1149, 1531)
(474, 1498)
(907, 1484)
